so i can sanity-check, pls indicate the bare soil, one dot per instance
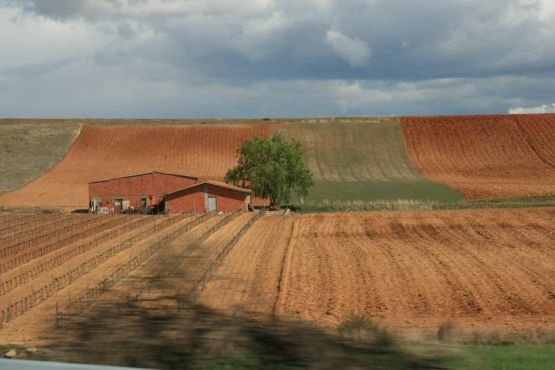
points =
(483, 269)
(489, 156)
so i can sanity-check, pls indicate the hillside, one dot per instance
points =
(29, 149)
(497, 156)
(361, 161)
(354, 160)
(102, 152)
(539, 132)
(358, 163)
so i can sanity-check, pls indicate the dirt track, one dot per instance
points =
(102, 152)
(485, 269)
(485, 156)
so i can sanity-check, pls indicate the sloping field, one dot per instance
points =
(358, 163)
(485, 156)
(102, 152)
(361, 160)
(485, 269)
(30, 149)
(539, 132)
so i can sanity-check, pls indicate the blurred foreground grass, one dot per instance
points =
(172, 332)
(503, 357)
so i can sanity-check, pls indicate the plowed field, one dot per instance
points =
(539, 132)
(102, 152)
(485, 156)
(486, 269)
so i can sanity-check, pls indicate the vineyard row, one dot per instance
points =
(16, 309)
(19, 221)
(47, 226)
(35, 271)
(89, 297)
(72, 230)
(199, 285)
(23, 258)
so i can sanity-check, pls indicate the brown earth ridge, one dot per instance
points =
(487, 156)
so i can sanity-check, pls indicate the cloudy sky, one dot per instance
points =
(265, 58)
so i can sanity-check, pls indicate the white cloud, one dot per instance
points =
(354, 96)
(354, 51)
(545, 108)
(259, 39)
(30, 41)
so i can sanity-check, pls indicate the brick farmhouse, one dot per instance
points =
(156, 192)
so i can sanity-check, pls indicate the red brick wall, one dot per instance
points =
(137, 186)
(186, 200)
(227, 200)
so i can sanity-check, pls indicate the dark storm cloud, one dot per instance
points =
(354, 57)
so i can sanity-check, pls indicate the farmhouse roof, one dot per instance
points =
(215, 183)
(148, 173)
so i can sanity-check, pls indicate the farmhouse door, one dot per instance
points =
(212, 205)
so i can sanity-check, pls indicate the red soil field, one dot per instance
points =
(485, 269)
(539, 132)
(103, 152)
(489, 156)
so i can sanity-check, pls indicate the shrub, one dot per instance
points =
(448, 331)
(361, 328)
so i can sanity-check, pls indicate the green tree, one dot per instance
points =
(273, 168)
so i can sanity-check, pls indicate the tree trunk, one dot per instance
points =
(273, 205)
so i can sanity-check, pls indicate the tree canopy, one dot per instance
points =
(273, 168)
